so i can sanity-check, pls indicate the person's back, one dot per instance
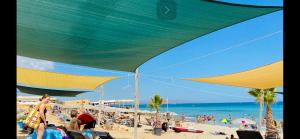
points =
(164, 126)
(85, 118)
(74, 121)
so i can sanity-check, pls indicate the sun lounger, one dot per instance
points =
(249, 134)
(149, 121)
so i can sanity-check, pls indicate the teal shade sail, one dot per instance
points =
(119, 34)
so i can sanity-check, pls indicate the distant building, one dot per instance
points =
(112, 102)
(26, 101)
(32, 99)
(77, 102)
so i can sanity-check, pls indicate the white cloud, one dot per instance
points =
(37, 64)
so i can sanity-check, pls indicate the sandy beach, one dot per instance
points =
(144, 132)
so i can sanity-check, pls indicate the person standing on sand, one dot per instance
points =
(42, 111)
(204, 119)
(229, 120)
(198, 119)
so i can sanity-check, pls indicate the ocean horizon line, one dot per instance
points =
(278, 102)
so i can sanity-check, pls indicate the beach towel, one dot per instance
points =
(33, 118)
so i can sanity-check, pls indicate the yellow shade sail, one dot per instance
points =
(43, 79)
(264, 77)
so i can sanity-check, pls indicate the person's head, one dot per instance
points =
(231, 136)
(45, 98)
(74, 113)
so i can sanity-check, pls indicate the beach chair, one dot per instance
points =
(249, 134)
(149, 121)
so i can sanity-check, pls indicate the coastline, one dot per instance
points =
(123, 132)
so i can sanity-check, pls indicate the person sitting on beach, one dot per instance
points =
(74, 122)
(152, 121)
(177, 124)
(165, 126)
(87, 120)
(253, 126)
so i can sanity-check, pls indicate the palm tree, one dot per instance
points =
(269, 96)
(257, 94)
(155, 103)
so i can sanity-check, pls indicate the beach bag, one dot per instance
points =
(33, 118)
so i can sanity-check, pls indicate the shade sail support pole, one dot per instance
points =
(101, 92)
(167, 104)
(135, 102)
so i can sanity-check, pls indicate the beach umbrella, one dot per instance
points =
(243, 121)
(224, 121)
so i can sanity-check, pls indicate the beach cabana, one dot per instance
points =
(120, 35)
(264, 77)
(57, 84)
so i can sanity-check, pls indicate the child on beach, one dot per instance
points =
(74, 122)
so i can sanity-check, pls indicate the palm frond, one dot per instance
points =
(256, 93)
(155, 102)
(270, 95)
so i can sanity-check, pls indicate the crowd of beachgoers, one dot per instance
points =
(120, 124)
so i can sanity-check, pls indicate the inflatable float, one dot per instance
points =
(181, 129)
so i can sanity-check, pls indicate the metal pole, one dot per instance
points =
(135, 102)
(100, 104)
(167, 104)
(102, 98)
(99, 114)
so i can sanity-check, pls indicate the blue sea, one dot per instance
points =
(221, 110)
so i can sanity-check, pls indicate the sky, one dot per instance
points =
(256, 42)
